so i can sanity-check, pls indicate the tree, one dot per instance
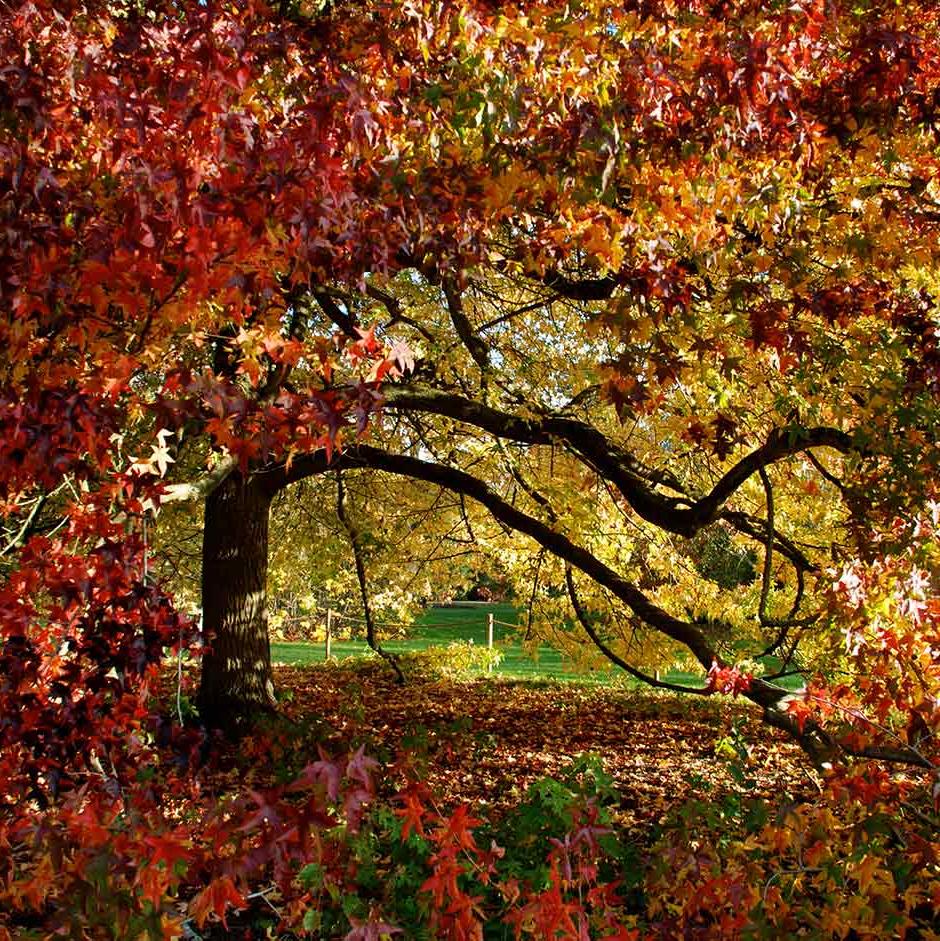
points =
(691, 249)
(627, 280)
(729, 313)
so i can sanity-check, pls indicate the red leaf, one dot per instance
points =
(214, 899)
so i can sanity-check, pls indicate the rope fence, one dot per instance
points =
(333, 618)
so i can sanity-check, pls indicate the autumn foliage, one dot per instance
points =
(691, 247)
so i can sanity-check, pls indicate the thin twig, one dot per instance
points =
(390, 658)
(613, 657)
(24, 529)
(768, 547)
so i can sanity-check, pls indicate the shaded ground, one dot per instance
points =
(483, 742)
(486, 740)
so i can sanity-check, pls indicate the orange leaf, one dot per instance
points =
(214, 899)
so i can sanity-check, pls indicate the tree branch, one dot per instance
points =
(757, 530)
(332, 310)
(23, 531)
(353, 535)
(768, 548)
(825, 474)
(814, 740)
(201, 488)
(393, 305)
(613, 657)
(594, 289)
(503, 318)
(555, 542)
(780, 443)
(677, 515)
(458, 317)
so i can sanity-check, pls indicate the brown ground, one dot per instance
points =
(485, 741)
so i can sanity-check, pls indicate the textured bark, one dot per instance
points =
(236, 683)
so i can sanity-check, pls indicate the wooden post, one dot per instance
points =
(329, 631)
(489, 630)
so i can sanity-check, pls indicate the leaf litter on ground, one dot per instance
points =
(484, 741)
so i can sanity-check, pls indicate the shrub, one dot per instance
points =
(458, 660)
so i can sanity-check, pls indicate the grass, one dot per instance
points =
(442, 626)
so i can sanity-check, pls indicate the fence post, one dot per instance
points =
(329, 631)
(489, 630)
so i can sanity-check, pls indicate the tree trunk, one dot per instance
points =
(236, 684)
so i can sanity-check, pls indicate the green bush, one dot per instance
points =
(458, 660)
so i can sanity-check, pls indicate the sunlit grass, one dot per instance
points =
(442, 626)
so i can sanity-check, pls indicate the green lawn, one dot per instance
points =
(441, 626)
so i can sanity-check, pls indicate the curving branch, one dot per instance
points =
(353, 535)
(786, 623)
(393, 305)
(511, 315)
(780, 443)
(573, 289)
(757, 530)
(344, 321)
(825, 474)
(458, 317)
(679, 515)
(768, 548)
(203, 487)
(790, 621)
(589, 289)
(555, 542)
(818, 744)
(614, 658)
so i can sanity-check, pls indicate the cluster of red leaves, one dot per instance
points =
(116, 845)
(46, 434)
(575, 905)
(729, 680)
(82, 633)
(272, 833)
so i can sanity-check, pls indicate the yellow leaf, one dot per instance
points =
(864, 872)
